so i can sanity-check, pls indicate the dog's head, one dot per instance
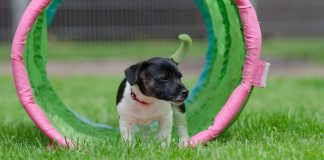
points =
(159, 78)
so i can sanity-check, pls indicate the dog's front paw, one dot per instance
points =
(183, 142)
(165, 142)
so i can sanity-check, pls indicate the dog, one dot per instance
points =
(152, 91)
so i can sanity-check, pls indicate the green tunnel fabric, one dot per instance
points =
(63, 119)
(222, 73)
(224, 63)
(51, 10)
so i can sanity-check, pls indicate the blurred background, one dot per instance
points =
(100, 38)
(147, 19)
(288, 26)
(98, 30)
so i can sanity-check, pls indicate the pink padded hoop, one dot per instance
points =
(23, 87)
(253, 41)
(252, 35)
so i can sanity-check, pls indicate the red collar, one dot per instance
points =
(134, 97)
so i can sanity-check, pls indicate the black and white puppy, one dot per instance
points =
(152, 90)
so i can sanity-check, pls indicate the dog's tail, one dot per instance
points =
(178, 56)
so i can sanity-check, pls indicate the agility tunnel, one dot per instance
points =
(232, 68)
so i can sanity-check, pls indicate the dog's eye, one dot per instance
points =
(164, 78)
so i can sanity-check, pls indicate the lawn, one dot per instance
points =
(284, 121)
(302, 48)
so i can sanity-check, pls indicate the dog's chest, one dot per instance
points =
(143, 114)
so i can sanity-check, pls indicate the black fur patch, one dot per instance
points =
(132, 73)
(121, 91)
(182, 108)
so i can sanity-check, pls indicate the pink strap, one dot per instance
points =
(260, 79)
(23, 86)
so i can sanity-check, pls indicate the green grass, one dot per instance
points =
(304, 49)
(284, 121)
(308, 49)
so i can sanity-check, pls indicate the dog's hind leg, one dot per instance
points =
(145, 130)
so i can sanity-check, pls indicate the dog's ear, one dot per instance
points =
(132, 73)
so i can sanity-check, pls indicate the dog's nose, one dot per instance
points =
(184, 93)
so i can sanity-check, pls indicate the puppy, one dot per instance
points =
(152, 90)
